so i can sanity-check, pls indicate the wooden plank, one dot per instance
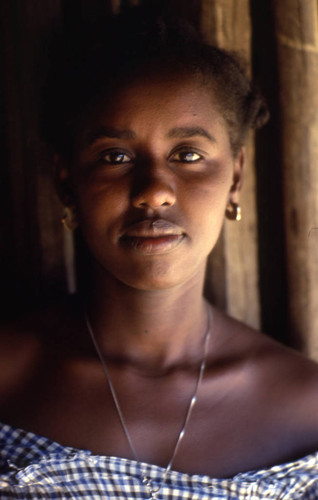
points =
(35, 231)
(297, 42)
(271, 244)
(227, 24)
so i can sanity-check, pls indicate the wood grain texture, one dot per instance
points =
(227, 24)
(297, 41)
(35, 257)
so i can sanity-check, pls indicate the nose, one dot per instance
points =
(154, 188)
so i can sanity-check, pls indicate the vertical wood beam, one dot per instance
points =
(227, 24)
(297, 42)
(35, 230)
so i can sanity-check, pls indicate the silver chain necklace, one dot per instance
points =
(153, 492)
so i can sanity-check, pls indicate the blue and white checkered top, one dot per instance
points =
(34, 467)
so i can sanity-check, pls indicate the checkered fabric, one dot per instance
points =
(33, 467)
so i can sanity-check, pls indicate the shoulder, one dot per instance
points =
(278, 385)
(28, 344)
(272, 363)
(19, 350)
(261, 352)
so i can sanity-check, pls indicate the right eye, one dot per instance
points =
(115, 157)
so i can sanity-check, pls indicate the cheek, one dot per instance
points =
(210, 196)
(207, 212)
(99, 202)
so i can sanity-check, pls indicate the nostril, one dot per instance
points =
(154, 196)
(152, 203)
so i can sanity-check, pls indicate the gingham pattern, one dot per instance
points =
(33, 467)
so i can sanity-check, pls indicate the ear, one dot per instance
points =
(62, 181)
(238, 174)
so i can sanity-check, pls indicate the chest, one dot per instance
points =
(225, 432)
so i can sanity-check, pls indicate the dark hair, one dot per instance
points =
(92, 60)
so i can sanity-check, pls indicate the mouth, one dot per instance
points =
(152, 236)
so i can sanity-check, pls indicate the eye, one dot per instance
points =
(186, 157)
(114, 157)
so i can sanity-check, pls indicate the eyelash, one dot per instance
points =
(112, 154)
(183, 155)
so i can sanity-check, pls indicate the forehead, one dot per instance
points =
(155, 104)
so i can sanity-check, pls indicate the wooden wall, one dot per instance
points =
(265, 268)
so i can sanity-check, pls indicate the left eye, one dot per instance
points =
(115, 157)
(186, 157)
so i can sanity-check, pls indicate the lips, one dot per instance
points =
(152, 236)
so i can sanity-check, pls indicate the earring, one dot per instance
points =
(69, 219)
(233, 211)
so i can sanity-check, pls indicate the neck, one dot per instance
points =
(156, 329)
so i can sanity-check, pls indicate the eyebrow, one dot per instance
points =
(186, 132)
(112, 133)
(175, 133)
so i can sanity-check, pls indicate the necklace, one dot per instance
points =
(153, 492)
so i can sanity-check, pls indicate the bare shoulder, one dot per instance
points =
(271, 389)
(282, 382)
(26, 346)
(264, 353)
(19, 350)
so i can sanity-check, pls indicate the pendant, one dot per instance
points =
(146, 482)
(153, 495)
(152, 492)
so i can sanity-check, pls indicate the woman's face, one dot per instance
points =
(152, 174)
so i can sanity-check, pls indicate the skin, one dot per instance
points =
(258, 401)
(149, 275)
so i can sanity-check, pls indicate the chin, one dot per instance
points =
(152, 286)
(151, 283)
(150, 276)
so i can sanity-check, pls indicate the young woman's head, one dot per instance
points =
(93, 62)
(149, 124)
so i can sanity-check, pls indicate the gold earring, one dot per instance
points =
(69, 219)
(233, 211)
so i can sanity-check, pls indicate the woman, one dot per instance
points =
(149, 157)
